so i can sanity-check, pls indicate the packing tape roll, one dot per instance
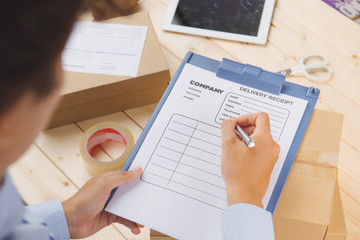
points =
(99, 134)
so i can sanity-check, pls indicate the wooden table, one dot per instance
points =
(53, 168)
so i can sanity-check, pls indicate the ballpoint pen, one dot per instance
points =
(247, 140)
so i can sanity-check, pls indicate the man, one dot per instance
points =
(33, 35)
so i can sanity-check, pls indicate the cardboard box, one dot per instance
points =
(337, 228)
(305, 206)
(86, 96)
(155, 235)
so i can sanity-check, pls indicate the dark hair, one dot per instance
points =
(33, 35)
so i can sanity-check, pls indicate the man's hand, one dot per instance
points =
(85, 212)
(247, 171)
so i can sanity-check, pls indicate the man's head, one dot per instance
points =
(33, 35)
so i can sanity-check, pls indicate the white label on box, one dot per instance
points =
(103, 48)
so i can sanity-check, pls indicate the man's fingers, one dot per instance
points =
(252, 119)
(259, 120)
(114, 180)
(109, 173)
(228, 130)
(262, 125)
(134, 227)
(247, 119)
(249, 129)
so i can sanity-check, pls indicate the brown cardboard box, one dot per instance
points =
(337, 228)
(155, 235)
(90, 95)
(305, 206)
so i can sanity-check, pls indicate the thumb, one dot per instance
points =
(121, 178)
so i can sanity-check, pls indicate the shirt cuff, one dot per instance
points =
(52, 213)
(247, 221)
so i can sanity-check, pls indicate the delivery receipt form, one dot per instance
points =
(181, 186)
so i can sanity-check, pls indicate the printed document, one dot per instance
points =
(181, 191)
(103, 48)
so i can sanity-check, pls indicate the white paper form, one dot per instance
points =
(181, 191)
(103, 48)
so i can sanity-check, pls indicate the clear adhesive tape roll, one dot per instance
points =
(99, 134)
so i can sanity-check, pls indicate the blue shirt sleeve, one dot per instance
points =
(45, 221)
(244, 221)
(52, 213)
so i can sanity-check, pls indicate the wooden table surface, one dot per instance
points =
(53, 168)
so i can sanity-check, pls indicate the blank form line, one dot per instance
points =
(265, 107)
(147, 172)
(167, 158)
(245, 111)
(204, 151)
(271, 105)
(183, 124)
(201, 160)
(271, 119)
(270, 114)
(170, 149)
(162, 167)
(200, 170)
(175, 141)
(178, 132)
(201, 180)
(207, 142)
(198, 190)
(102, 52)
(208, 133)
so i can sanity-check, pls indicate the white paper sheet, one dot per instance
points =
(103, 48)
(181, 192)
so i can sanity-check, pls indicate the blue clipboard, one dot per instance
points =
(251, 76)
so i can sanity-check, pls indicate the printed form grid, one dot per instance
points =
(120, 41)
(187, 161)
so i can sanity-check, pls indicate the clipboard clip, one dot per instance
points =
(251, 76)
(313, 93)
